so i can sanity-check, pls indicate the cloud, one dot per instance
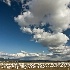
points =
(23, 55)
(25, 29)
(56, 13)
(49, 39)
(7, 2)
(35, 56)
(55, 42)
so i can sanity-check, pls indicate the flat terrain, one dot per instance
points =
(39, 69)
(34, 65)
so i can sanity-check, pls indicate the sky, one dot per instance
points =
(12, 39)
(35, 26)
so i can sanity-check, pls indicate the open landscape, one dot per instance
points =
(34, 34)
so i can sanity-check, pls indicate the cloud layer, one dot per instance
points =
(24, 56)
(35, 56)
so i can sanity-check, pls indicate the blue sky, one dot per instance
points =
(12, 39)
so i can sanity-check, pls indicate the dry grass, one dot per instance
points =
(27, 67)
(57, 68)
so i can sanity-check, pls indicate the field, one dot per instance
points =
(34, 65)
